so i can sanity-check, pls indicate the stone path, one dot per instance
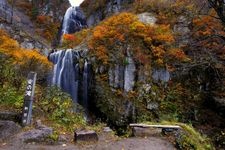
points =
(105, 143)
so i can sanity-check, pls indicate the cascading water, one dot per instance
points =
(68, 75)
(66, 71)
(73, 21)
(86, 81)
(72, 71)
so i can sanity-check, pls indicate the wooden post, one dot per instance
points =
(28, 99)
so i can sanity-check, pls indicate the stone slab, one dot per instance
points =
(85, 136)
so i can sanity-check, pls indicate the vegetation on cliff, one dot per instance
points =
(51, 104)
(47, 15)
(196, 66)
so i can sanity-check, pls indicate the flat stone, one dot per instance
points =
(8, 129)
(85, 136)
(145, 132)
(36, 135)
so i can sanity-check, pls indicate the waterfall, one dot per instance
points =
(73, 21)
(86, 81)
(68, 75)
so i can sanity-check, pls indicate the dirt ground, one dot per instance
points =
(105, 142)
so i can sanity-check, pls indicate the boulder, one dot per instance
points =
(38, 135)
(147, 18)
(8, 129)
(27, 45)
(85, 136)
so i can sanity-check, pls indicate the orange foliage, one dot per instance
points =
(177, 54)
(114, 35)
(208, 32)
(167, 10)
(47, 26)
(20, 56)
(68, 37)
(68, 40)
(72, 40)
(41, 19)
(208, 25)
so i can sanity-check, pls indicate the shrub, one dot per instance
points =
(23, 60)
(58, 107)
(191, 139)
(11, 98)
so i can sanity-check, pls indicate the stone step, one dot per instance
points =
(85, 136)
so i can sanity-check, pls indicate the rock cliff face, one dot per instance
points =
(20, 27)
(97, 10)
(19, 21)
(74, 20)
(72, 70)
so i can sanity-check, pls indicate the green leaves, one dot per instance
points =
(11, 97)
(58, 107)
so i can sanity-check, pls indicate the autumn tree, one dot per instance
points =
(148, 43)
(22, 60)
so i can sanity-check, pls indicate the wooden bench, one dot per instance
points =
(155, 126)
(165, 128)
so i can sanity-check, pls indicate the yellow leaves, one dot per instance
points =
(158, 51)
(208, 25)
(122, 19)
(72, 40)
(99, 32)
(101, 54)
(20, 56)
(7, 43)
(163, 34)
(68, 40)
(113, 35)
(109, 34)
(208, 30)
(177, 54)
(137, 26)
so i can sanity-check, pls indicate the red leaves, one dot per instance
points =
(69, 37)
(42, 19)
